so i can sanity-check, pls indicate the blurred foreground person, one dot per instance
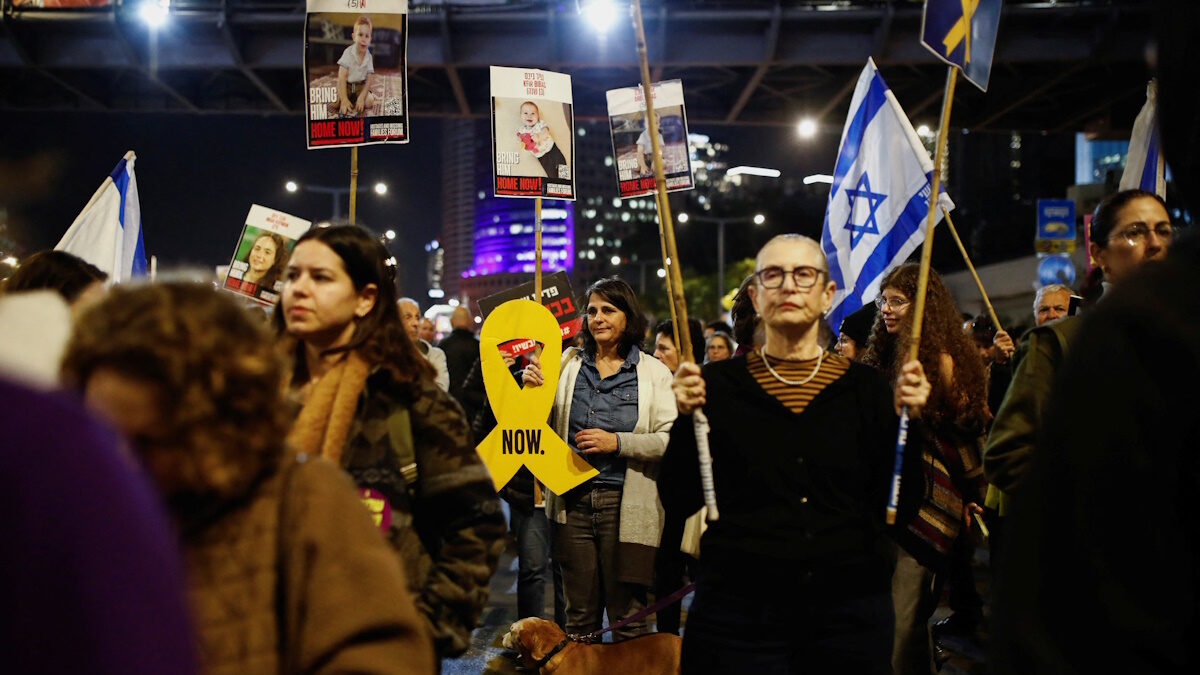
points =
(949, 440)
(285, 572)
(78, 281)
(1103, 542)
(92, 578)
(370, 404)
(795, 575)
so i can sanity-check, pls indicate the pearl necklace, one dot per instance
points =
(792, 383)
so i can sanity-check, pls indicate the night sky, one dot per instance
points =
(199, 174)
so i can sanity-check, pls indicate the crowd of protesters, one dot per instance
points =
(193, 488)
(265, 557)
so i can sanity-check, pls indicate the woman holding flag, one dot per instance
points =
(795, 575)
(949, 443)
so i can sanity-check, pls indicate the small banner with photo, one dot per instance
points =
(262, 252)
(355, 72)
(631, 140)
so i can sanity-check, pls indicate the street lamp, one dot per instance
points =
(807, 128)
(335, 192)
(720, 222)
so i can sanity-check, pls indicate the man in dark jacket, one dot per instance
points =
(462, 350)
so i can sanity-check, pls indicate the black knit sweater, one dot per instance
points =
(802, 498)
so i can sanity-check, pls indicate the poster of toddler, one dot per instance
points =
(533, 134)
(355, 76)
(631, 140)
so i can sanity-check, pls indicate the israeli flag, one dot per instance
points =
(879, 198)
(108, 232)
(1144, 166)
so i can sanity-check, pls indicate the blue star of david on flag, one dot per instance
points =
(885, 174)
(870, 226)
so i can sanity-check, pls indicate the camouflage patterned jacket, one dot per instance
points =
(445, 518)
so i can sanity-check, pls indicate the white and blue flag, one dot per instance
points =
(108, 232)
(879, 198)
(1144, 167)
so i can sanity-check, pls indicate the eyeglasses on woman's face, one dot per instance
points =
(803, 276)
(894, 303)
(1137, 234)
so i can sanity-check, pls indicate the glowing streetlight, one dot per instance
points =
(662, 273)
(381, 188)
(807, 128)
(683, 217)
(154, 12)
(390, 234)
(759, 219)
(924, 131)
(616, 260)
(291, 186)
(600, 13)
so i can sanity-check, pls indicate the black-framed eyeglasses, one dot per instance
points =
(804, 277)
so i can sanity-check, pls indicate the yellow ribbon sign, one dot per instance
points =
(522, 435)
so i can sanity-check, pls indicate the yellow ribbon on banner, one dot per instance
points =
(522, 436)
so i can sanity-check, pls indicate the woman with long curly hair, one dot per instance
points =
(370, 404)
(284, 572)
(955, 420)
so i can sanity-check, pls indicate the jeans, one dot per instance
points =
(732, 630)
(914, 603)
(532, 530)
(586, 551)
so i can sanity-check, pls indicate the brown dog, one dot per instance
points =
(544, 647)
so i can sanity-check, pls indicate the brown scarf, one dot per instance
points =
(324, 422)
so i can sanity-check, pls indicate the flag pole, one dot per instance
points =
(667, 267)
(683, 337)
(353, 182)
(537, 249)
(971, 268)
(922, 282)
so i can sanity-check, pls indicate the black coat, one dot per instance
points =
(462, 351)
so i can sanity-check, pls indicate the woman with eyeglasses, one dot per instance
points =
(795, 575)
(949, 445)
(370, 404)
(1128, 228)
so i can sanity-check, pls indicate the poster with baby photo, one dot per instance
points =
(631, 141)
(262, 254)
(355, 74)
(533, 134)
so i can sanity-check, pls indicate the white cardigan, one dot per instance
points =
(641, 511)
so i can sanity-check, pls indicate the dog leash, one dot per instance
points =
(664, 602)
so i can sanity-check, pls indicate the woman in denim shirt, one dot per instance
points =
(615, 407)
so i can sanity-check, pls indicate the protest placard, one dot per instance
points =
(267, 240)
(355, 76)
(556, 297)
(631, 141)
(533, 134)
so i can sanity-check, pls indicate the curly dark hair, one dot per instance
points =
(59, 271)
(267, 283)
(623, 298)
(217, 374)
(964, 401)
(379, 337)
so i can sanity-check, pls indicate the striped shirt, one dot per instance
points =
(795, 397)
